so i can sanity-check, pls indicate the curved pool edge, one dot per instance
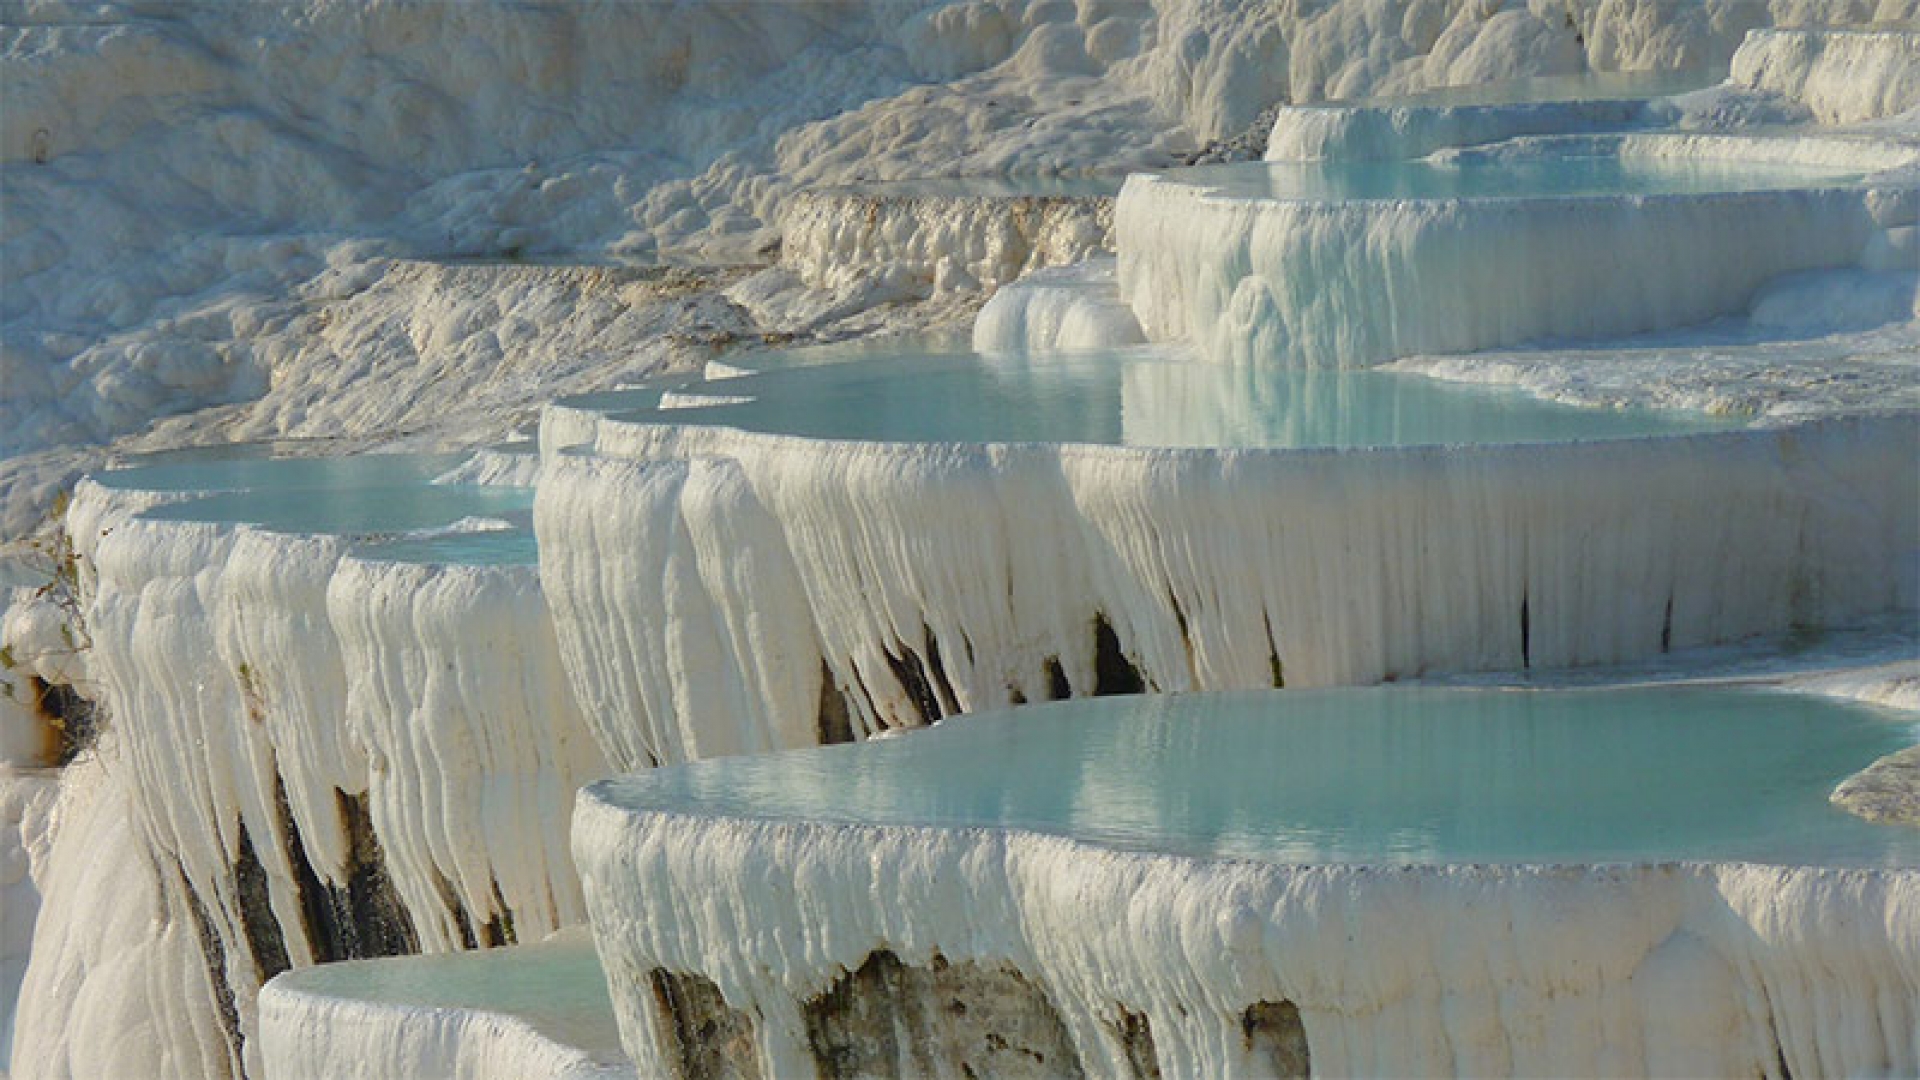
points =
(1483, 971)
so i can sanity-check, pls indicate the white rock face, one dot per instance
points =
(475, 746)
(935, 579)
(917, 245)
(1687, 969)
(1065, 309)
(26, 802)
(691, 570)
(324, 757)
(118, 984)
(1844, 77)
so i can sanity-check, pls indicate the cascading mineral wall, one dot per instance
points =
(325, 757)
(1353, 283)
(476, 748)
(1060, 309)
(934, 579)
(1676, 969)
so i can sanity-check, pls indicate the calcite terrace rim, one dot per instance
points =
(1213, 199)
(629, 793)
(1092, 926)
(601, 797)
(1879, 162)
(621, 436)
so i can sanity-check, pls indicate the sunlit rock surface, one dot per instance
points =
(1070, 308)
(1841, 77)
(916, 242)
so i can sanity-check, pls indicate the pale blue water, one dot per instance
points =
(557, 986)
(513, 546)
(1143, 397)
(239, 467)
(1373, 776)
(1483, 178)
(373, 508)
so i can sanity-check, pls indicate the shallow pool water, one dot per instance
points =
(511, 546)
(1142, 397)
(239, 467)
(373, 508)
(1572, 175)
(556, 986)
(1375, 776)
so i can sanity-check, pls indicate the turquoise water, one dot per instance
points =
(239, 467)
(492, 547)
(389, 498)
(1142, 397)
(372, 508)
(1374, 776)
(556, 986)
(1484, 178)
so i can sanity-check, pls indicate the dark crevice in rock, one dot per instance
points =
(1058, 688)
(833, 721)
(462, 923)
(1526, 633)
(711, 1039)
(385, 925)
(1113, 673)
(1275, 668)
(1186, 632)
(363, 919)
(497, 931)
(912, 677)
(889, 1019)
(72, 720)
(1782, 1070)
(252, 890)
(214, 953)
(925, 681)
(937, 674)
(1136, 1040)
(1666, 627)
(1276, 1039)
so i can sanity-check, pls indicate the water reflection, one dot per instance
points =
(1380, 775)
(1141, 397)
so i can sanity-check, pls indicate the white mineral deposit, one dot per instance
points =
(466, 467)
